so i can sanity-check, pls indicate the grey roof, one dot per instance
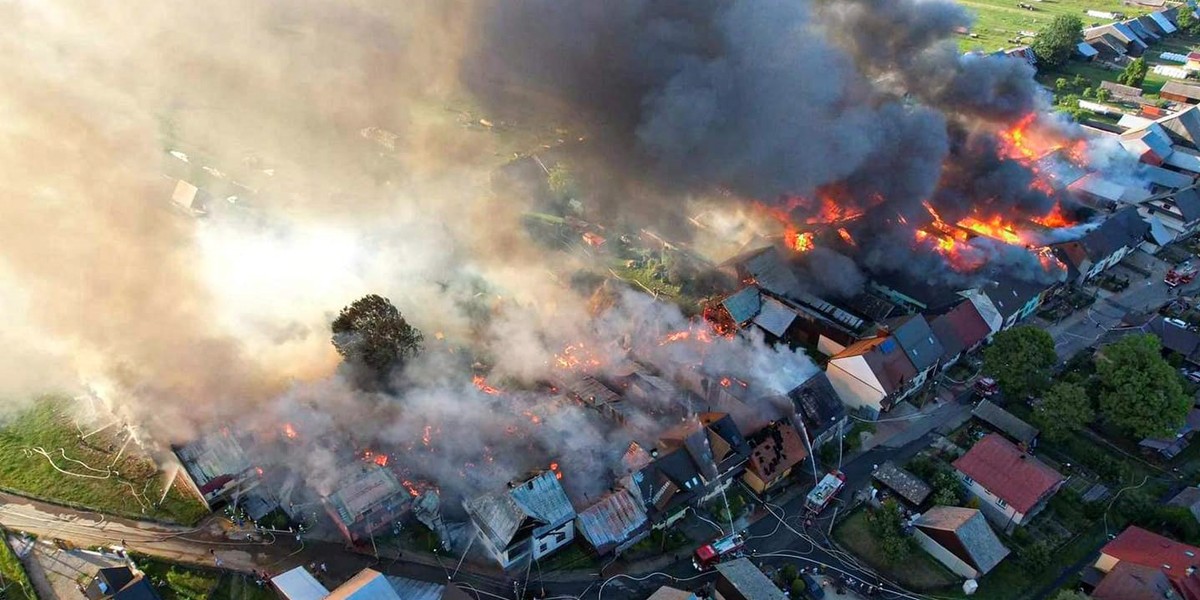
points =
(1137, 28)
(917, 340)
(1191, 92)
(1150, 26)
(541, 498)
(412, 589)
(1188, 203)
(1164, 177)
(909, 486)
(770, 269)
(1006, 422)
(613, 520)
(1183, 125)
(983, 548)
(1123, 228)
(775, 317)
(747, 580)
(366, 490)
(744, 304)
(1010, 294)
(818, 403)
(1189, 498)
(299, 584)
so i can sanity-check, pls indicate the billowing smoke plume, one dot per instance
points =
(350, 148)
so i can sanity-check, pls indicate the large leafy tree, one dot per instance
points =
(1187, 22)
(1020, 359)
(372, 333)
(1139, 391)
(1134, 73)
(1065, 408)
(1055, 42)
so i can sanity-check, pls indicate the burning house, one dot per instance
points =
(370, 499)
(216, 465)
(691, 464)
(775, 451)
(530, 520)
(819, 412)
(1104, 246)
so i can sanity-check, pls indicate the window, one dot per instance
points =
(967, 480)
(1001, 503)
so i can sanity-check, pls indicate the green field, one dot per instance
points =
(177, 582)
(14, 582)
(919, 572)
(998, 22)
(103, 473)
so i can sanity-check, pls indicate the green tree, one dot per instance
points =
(561, 182)
(1089, 92)
(1139, 391)
(1065, 408)
(887, 526)
(1134, 73)
(1055, 42)
(1034, 557)
(1020, 359)
(1187, 22)
(1102, 95)
(1061, 86)
(372, 333)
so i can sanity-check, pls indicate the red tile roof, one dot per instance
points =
(1013, 476)
(1146, 548)
(959, 329)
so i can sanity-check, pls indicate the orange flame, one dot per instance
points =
(412, 488)
(1055, 218)
(483, 386)
(801, 242)
(994, 228)
(554, 468)
(576, 357)
(726, 382)
(289, 431)
(845, 235)
(427, 436)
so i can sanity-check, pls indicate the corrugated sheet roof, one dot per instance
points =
(613, 520)
(412, 589)
(1005, 421)
(1086, 49)
(744, 304)
(909, 486)
(540, 498)
(367, 490)
(544, 499)
(748, 581)
(368, 584)
(775, 317)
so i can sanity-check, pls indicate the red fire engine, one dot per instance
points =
(827, 489)
(708, 555)
(986, 387)
(1180, 275)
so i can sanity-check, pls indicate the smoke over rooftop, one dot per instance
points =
(349, 148)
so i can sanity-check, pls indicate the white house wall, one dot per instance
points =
(855, 383)
(1005, 517)
(944, 556)
(554, 539)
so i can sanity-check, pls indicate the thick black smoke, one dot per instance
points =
(752, 96)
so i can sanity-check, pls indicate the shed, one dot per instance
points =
(1005, 422)
(1180, 92)
(905, 484)
(298, 584)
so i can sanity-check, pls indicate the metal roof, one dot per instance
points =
(1005, 421)
(613, 520)
(501, 515)
(909, 486)
(299, 584)
(747, 580)
(369, 489)
(744, 304)
(368, 584)
(1086, 49)
(775, 317)
(1163, 22)
(917, 340)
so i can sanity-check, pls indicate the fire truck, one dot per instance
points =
(1180, 275)
(986, 387)
(827, 489)
(708, 555)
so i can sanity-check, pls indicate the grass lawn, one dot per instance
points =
(14, 582)
(239, 587)
(1011, 580)
(115, 482)
(177, 582)
(999, 21)
(919, 572)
